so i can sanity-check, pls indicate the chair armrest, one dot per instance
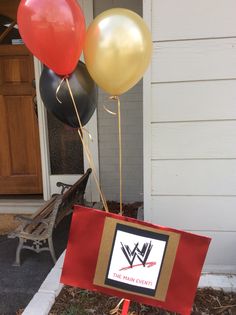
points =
(35, 221)
(24, 221)
(23, 218)
(56, 195)
(63, 186)
(44, 221)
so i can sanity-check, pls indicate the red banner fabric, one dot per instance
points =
(172, 258)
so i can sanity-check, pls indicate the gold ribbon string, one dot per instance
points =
(116, 310)
(86, 149)
(92, 165)
(116, 98)
(58, 89)
(109, 111)
(88, 133)
(120, 154)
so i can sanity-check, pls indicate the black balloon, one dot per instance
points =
(83, 89)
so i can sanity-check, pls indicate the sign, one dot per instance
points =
(135, 260)
(135, 250)
(140, 261)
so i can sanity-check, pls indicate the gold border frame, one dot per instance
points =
(105, 251)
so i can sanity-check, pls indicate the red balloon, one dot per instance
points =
(54, 31)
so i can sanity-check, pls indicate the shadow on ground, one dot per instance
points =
(19, 284)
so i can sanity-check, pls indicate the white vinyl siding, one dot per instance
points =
(192, 19)
(190, 122)
(194, 101)
(194, 140)
(194, 60)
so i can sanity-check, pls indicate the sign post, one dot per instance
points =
(125, 307)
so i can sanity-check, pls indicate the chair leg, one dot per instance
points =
(20, 245)
(51, 248)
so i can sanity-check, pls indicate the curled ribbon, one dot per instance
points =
(116, 310)
(57, 91)
(81, 135)
(89, 134)
(125, 308)
(59, 87)
(109, 111)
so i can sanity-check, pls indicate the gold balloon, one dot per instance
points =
(118, 49)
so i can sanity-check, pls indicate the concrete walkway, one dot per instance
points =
(19, 284)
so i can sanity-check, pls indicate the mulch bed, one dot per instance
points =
(129, 209)
(75, 301)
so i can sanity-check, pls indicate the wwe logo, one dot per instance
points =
(142, 254)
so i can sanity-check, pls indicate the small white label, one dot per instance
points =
(18, 41)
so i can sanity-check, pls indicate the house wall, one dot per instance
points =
(132, 120)
(190, 122)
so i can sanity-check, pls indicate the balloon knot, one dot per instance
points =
(114, 97)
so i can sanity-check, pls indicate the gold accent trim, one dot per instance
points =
(118, 114)
(105, 251)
